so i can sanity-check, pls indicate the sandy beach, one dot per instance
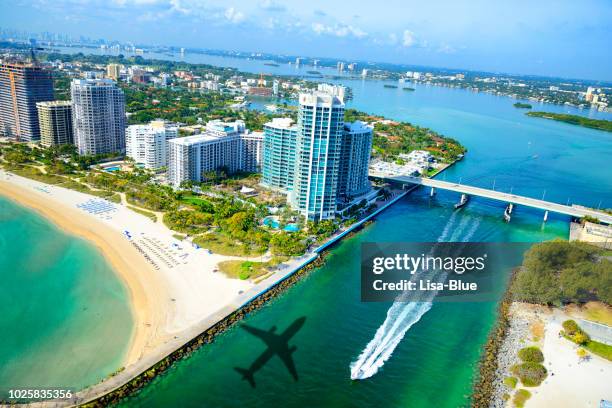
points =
(570, 382)
(172, 285)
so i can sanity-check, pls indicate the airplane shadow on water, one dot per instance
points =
(278, 344)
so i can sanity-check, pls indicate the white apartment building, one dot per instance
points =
(98, 113)
(227, 146)
(148, 144)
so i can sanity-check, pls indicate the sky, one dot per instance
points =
(542, 37)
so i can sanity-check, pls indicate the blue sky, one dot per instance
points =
(545, 37)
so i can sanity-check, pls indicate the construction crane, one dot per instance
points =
(262, 82)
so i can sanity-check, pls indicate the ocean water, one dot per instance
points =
(431, 355)
(64, 315)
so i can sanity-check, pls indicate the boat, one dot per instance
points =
(507, 215)
(464, 200)
(390, 86)
(408, 89)
(271, 64)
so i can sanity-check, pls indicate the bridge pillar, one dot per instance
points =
(432, 192)
(510, 208)
(545, 215)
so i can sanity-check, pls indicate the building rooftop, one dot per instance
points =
(320, 98)
(357, 126)
(54, 103)
(195, 139)
(284, 123)
(93, 82)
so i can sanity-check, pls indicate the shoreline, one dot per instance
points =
(124, 261)
(148, 365)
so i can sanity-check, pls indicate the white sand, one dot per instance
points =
(166, 300)
(569, 383)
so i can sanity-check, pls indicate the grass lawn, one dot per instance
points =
(194, 200)
(598, 312)
(248, 269)
(220, 244)
(601, 349)
(35, 174)
(243, 269)
(148, 214)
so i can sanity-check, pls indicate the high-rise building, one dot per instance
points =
(148, 144)
(334, 90)
(55, 121)
(354, 161)
(318, 148)
(98, 113)
(227, 146)
(252, 151)
(275, 85)
(113, 71)
(279, 154)
(21, 87)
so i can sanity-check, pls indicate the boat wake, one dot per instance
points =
(402, 315)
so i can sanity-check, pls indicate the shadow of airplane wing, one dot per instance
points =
(288, 361)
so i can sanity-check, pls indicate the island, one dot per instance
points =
(599, 124)
(521, 105)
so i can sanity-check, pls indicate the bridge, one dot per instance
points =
(509, 198)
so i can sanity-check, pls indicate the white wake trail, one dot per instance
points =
(401, 316)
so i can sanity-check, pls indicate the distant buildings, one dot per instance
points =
(278, 163)
(354, 161)
(318, 148)
(98, 116)
(259, 91)
(223, 146)
(147, 144)
(113, 71)
(589, 94)
(21, 87)
(55, 122)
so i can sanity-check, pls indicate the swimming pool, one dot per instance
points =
(111, 169)
(272, 222)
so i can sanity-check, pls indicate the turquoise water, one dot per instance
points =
(272, 222)
(64, 316)
(434, 363)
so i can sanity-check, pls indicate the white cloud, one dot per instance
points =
(408, 39)
(339, 30)
(234, 15)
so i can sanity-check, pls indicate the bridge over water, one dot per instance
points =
(509, 198)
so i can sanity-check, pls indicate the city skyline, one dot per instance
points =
(549, 39)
